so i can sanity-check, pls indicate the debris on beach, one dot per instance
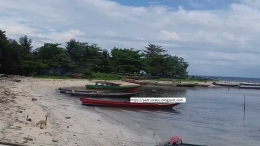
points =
(34, 99)
(55, 140)
(46, 133)
(28, 139)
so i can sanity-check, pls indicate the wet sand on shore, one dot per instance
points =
(69, 123)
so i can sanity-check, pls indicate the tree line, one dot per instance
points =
(19, 57)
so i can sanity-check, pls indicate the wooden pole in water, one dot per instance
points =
(244, 104)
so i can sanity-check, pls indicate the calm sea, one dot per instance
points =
(211, 116)
(238, 79)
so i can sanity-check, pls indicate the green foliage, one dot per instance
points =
(51, 56)
(126, 60)
(90, 60)
(157, 61)
(53, 77)
(105, 76)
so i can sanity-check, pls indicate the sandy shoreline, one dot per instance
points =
(83, 125)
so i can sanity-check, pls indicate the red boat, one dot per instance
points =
(107, 103)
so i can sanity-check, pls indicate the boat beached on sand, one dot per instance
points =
(135, 81)
(103, 94)
(65, 90)
(186, 84)
(249, 86)
(101, 85)
(225, 84)
(125, 104)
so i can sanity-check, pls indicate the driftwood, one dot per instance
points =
(12, 144)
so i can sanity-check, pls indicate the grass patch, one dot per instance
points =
(53, 77)
(104, 76)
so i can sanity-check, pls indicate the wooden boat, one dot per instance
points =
(226, 84)
(125, 104)
(186, 84)
(202, 85)
(163, 84)
(63, 90)
(249, 87)
(135, 82)
(102, 94)
(115, 84)
(250, 84)
(111, 86)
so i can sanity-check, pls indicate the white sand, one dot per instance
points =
(85, 127)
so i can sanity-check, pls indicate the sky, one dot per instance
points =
(216, 37)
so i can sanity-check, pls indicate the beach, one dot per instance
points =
(69, 123)
(211, 116)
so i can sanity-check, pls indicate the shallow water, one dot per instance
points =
(211, 116)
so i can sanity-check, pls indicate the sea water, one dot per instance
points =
(211, 116)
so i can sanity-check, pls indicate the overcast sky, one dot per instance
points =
(216, 37)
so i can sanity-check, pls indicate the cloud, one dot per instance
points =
(229, 34)
(169, 36)
(54, 36)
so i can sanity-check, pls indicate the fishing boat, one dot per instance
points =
(202, 85)
(163, 84)
(111, 86)
(63, 90)
(135, 82)
(186, 84)
(249, 86)
(115, 84)
(125, 104)
(102, 94)
(226, 84)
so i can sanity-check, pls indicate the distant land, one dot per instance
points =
(239, 79)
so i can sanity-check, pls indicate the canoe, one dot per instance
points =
(163, 84)
(250, 84)
(226, 84)
(125, 104)
(111, 86)
(202, 85)
(186, 84)
(81, 91)
(114, 84)
(249, 87)
(112, 95)
(135, 82)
